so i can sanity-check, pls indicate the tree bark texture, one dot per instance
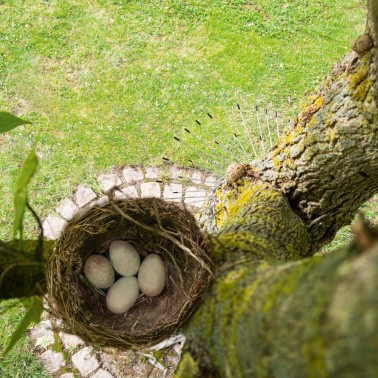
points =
(251, 214)
(267, 316)
(316, 317)
(313, 318)
(274, 309)
(327, 164)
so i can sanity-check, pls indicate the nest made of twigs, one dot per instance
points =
(152, 226)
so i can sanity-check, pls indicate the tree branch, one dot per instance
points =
(316, 317)
(327, 164)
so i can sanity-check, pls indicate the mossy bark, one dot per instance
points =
(248, 213)
(274, 309)
(317, 317)
(271, 313)
(326, 165)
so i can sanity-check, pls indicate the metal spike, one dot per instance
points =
(186, 191)
(258, 122)
(204, 167)
(181, 183)
(225, 149)
(213, 215)
(246, 130)
(278, 129)
(199, 200)
(185, 197)
(206, 146)
(218, 143)
(267, 122)
(219, 127)
(241, 146)
(199, 153)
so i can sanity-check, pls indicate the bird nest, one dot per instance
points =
(152, 226)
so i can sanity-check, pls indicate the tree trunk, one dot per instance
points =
(327, 165)
(317, 317)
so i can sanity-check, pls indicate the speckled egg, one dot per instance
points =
(124, 257)
(122, 295)
(99, 271)
(151, 276)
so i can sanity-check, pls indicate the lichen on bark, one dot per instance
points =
(249, 213)
(265, 316)
(312, 318)
(326, 163)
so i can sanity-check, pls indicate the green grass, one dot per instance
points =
(108, 83)
(20, 362)
(344, 235)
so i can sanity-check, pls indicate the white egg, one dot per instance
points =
(151, 276)
(99, 271)
(124, 257)
(122, 295)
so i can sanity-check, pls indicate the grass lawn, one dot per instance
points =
(20, 362)
(110, 82)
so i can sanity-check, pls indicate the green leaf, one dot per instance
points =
(27, 172)
(32, 315)
(8, 122)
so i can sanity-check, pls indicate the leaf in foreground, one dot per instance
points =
(8, 122)
(32, 315)
(27, 172)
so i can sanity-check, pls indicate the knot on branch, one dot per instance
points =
(362, 44)
(365, 234)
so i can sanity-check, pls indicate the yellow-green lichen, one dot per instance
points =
(276, 162)
(246, 243)
(331, 135)
(188, 367)
(284, 286)
(359, 76)
(232, 202)
(361, 91)
(318, 102)
(311, 121)
(359, 82)
(313, 353)
(311, 99)
(229, 282)
(288, 138)
(233, 302)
